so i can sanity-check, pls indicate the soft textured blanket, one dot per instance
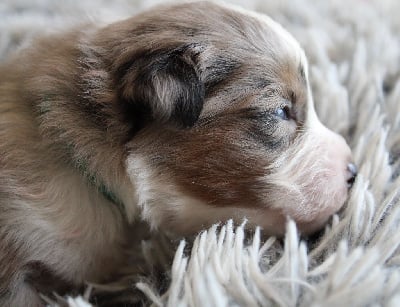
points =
(354, 52)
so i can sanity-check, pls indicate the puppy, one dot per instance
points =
(183, 116)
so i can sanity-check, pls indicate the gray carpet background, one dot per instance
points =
(354, 53)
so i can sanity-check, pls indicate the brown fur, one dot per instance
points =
(171, 115)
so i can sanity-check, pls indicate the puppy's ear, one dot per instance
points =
(163, 86)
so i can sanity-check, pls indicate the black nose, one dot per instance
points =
(352, 174)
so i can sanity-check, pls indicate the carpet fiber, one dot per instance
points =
(354, 51)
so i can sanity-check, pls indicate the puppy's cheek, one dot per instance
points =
(310, 179)
(166, 205)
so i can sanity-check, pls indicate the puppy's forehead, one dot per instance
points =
(264, 53)
(262, 33)
(281, 38)
(229, 28)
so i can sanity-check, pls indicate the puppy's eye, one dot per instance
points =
(283, 113)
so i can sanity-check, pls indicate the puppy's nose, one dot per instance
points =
(352, 174)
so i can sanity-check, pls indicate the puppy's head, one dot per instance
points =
(222, 121)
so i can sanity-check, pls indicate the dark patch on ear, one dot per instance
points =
(189, 98)
(136, 114)
(161, 85)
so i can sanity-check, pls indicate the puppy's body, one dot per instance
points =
(186, 116)
(49, 210)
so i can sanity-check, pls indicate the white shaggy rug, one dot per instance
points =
(354, 51)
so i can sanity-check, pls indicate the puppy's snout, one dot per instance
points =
(344, 172)
(351, 174)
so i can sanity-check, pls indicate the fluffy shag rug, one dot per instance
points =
(354, 51)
